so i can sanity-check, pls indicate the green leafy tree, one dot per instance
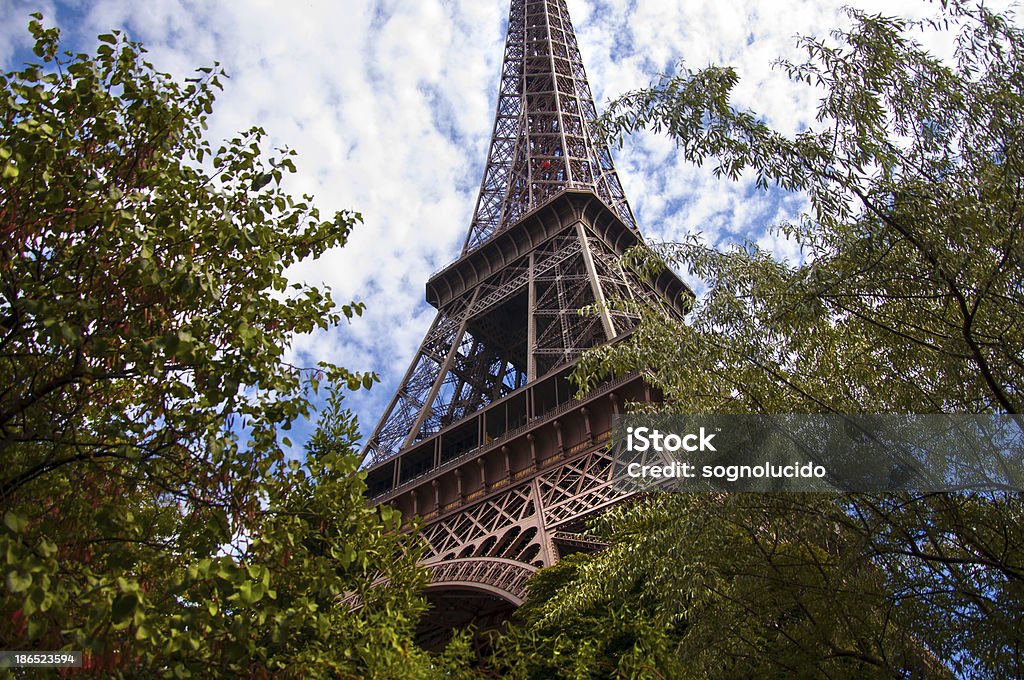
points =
(723, 586)
(908, 299)
(151, 516)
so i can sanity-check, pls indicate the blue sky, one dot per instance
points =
(390, 104)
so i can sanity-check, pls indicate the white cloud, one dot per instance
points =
(389, 105)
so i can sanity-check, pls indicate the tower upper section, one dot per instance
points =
(540, 271)
(542, 142)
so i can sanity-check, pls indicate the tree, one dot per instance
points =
(151, 514)
(911, 277)
(722, 586)
(908, 300)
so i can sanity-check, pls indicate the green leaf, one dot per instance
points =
(15, 521)
(347, 556)
(36, 627)
(261, 181)
(123, 608)
(18, 582)
(34, 601)
(250, 593)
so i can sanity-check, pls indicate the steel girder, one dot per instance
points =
(524, 321)
(542, 141)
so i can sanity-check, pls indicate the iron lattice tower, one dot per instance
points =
(542, 142)
(485, 439)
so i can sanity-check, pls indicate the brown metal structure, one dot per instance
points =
(485, 439)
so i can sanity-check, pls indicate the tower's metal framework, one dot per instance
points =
(485, 440)
(542, 142)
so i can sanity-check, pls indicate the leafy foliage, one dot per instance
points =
(724, 586)
(151, 514)
(908, 298)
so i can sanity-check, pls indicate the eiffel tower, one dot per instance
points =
(485, 439)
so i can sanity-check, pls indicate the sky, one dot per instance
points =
(390, 103)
